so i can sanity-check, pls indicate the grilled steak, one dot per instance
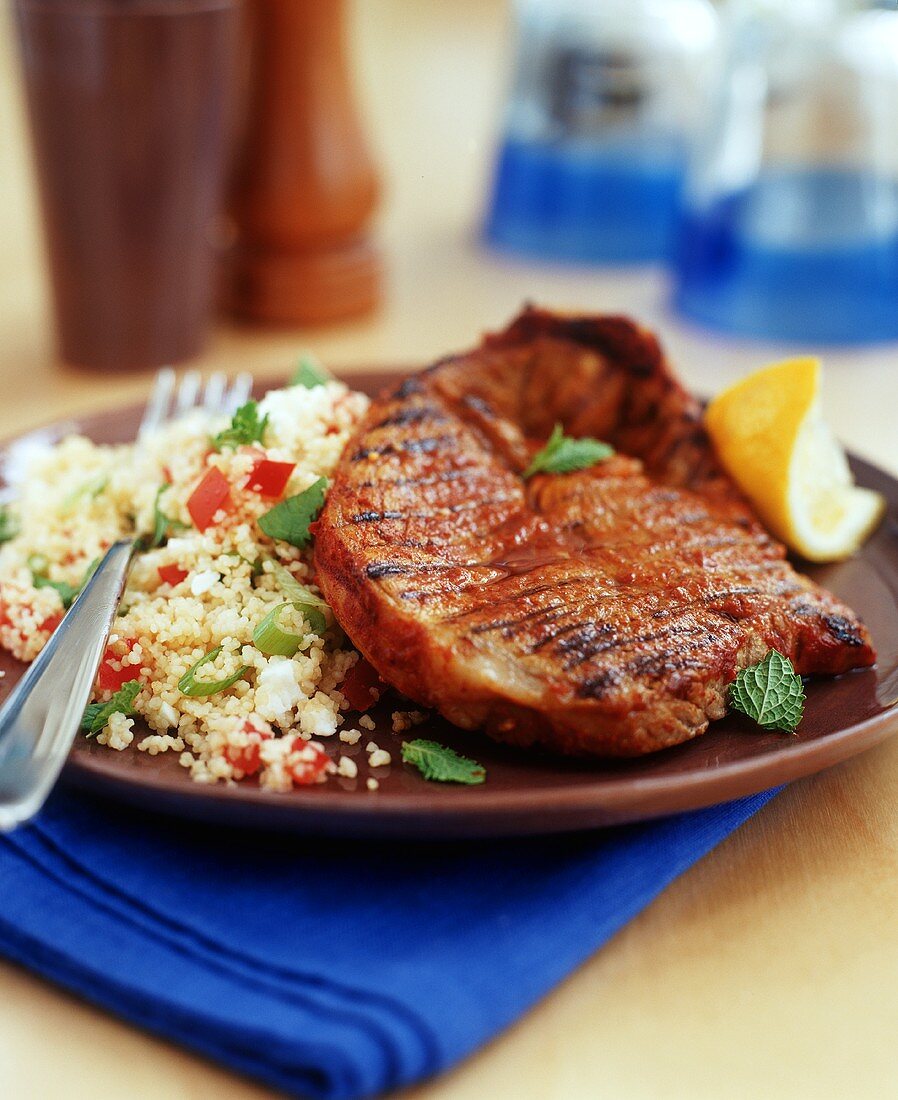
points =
(603, 611)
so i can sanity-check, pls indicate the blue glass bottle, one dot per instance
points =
(603, 101)
(789, 227)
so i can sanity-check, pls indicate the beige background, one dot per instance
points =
(771, 969)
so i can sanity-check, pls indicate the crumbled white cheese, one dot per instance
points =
(203, 581)
(277, 690)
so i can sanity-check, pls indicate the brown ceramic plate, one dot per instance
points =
(531, 793)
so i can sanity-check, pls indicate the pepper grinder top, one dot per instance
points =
(305, 187)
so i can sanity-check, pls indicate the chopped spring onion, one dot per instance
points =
(9, 526)
(98, 714)
(270, 639)
(309, 373)
(189, 685)
(290, 520)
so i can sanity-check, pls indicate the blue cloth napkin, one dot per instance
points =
(326, 969)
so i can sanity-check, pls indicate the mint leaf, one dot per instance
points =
(440, 764)
(98, 714)
(309, 373)
(9, 526)
(770, 692)
(290, 520)
(246, 427)
(66, 592)
(163, 525)
(563, 455)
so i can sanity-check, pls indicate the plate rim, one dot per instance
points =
(461, 812)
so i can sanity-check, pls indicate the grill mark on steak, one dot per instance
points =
(603, 611)
(407, 446)
(378, 570)
(412, 415)
(439, 478)
(503, 625)
(843, 630)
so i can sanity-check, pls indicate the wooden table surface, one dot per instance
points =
(771, 968)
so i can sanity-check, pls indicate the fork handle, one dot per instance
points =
(39, 720)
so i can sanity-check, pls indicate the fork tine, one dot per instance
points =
(187, 392)
(157, 406)
(213, 397)
(241, 388)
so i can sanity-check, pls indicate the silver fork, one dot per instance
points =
(39, 720)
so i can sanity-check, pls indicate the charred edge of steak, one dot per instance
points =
(616, 337)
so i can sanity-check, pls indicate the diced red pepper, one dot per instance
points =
(171, 574)
(211, 495)
(269, 478)
(111, 679)
(362, 686)
(52, 622)
(247, 757)
(308, 770)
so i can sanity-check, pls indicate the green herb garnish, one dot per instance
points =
(563, 455)
(294, 590)
(9, 526)
(269, 637)
(91, 488)
(440, 764)
(163, 525)
(309, 373)
(98, 714)
(290, 520)
(246, 427)
(68, 593)
(189, 685)
(770, 692)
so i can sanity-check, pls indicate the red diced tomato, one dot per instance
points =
(246, 757)
(269, 478)
(166, 473)
(111, 679)
(362, 686)
(52, 622)
(212, 494)
(171, 574)
(310, 766)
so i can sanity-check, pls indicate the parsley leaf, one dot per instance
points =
(563, 455)
(246, 427)
(162, 524)
(98, 714)
(9, 526)
(290, 520)
(440, 764)
(309, 373)
(771, 692)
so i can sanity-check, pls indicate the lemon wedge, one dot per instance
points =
(771, 437)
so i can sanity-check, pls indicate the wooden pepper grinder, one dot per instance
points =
(305, 187)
